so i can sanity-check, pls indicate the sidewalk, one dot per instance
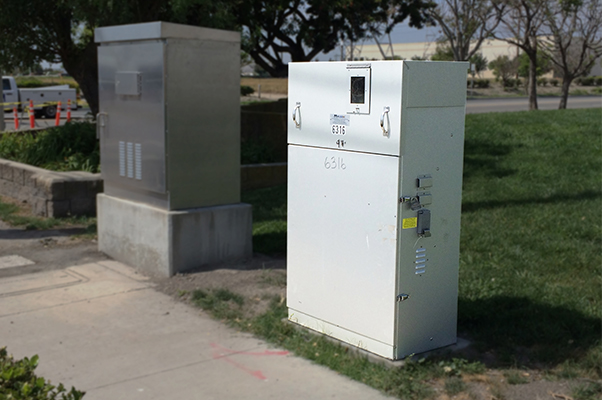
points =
(102, 328)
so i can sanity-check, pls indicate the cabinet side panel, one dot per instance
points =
(433, 141)
(342, 239)
(203, 122)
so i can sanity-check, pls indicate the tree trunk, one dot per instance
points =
(532, 80)
(84, 69)
(564, 95)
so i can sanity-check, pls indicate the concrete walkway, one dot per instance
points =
(102, 328)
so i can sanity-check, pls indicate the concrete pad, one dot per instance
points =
(163, 243)
(14, 261)
(102, 328)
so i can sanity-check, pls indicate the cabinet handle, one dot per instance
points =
(382, 121)
(100, 123)
(296, 120)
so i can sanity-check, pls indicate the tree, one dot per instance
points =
(524, 65)
(479, 61)
(520, 26)
(443, 52)
(504, 69)
(465, 24)
(304, 28)
(63, 31)
(575, 43)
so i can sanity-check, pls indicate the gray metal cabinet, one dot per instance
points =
(374, 198)
(169, 121)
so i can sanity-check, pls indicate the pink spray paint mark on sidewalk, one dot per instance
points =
(223, 353)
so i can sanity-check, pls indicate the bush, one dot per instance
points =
(542, 81)
(511, 83)
(478, 83)
(28, 82)
(246, 90)
(18, 381)
(590, 81)
(72, 147)
(554, 82)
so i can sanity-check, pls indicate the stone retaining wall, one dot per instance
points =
(63, 194)
(50, 194)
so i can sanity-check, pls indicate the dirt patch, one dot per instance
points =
(259, 281)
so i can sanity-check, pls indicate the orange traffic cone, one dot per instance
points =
(16, 117)
(32, 117)
(57, 120)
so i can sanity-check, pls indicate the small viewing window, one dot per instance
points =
(358, 90)
(5, 84)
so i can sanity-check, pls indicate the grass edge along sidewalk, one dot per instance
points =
(530, 262)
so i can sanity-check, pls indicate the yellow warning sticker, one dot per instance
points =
(409, 223)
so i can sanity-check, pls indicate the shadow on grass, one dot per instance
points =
(558, 198)
(273, 243)
(517, 332)
(482, 158)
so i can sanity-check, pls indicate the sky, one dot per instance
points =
(402, 33)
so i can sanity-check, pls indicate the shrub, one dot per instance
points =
(72, 147)
(482, 83)
(554, 82)
(246, 90)
(511, 83)
(19, 382)
(590, 81)
(542, 81)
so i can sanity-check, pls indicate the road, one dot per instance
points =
(475, 106)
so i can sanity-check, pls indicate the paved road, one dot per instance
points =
(474, 106)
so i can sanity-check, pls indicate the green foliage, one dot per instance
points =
(246, 90)
(72, 147)
(590, 81)
(588, 391)
(18, 381)
(480, 62)
(479, 83)
(454, 385)
(24, 82)
(542, 81)
(269, 219)
(222, 303)
(443, 52)
(543, 65)
(515, 377)
(554, 82)
(503, 69)
(256, 152)
(275, 27)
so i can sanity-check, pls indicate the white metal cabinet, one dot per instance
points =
(360, 266)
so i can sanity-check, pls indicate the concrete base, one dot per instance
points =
(163, 243)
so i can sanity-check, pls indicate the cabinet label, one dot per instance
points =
(409, 223)
(339, 119)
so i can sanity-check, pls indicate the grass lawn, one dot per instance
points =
(530, 263)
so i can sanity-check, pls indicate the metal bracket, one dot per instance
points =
(402, 297)
(413, 201)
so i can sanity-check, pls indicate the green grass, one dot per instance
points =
(530, 264)
(10, 213)
(269, 219)
(530, 248)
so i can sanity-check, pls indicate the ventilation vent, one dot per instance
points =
(420, 261)
(122, 158)
(138, 156)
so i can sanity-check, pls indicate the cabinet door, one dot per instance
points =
(130, 79)
(342, 239)
(339, 105)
